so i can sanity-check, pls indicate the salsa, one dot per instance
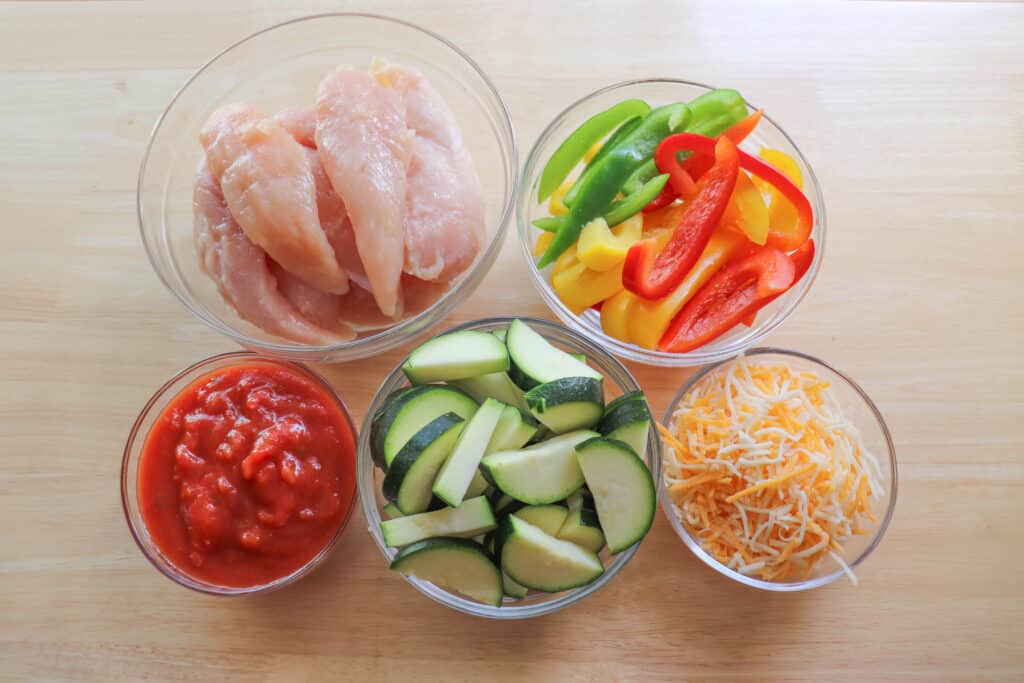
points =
(247, 474)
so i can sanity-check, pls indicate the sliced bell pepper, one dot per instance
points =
(667, 162)
(711, 114)
(651, 274)
(780, 237)
(620, 211)
(802, 260)
(698, 164)
(599, 248)
(565, 261)
(579, 287)
(608, 145)
(581, 140)
(782, 214)
(598, 190)
(729, 297)
(556, 205)
(543, 240)
(615, 314)
(648, 320)
(747, 210)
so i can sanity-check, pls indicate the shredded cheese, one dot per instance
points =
(766, 472)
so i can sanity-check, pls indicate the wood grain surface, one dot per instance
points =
(913, 117)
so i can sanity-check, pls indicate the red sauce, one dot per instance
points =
(247, 474)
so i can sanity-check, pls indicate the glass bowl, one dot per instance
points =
(657, 92)
(280, 67)
(133, 452)
(618, 380)
(863, 413)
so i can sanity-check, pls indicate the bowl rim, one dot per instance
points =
(790, 587)
(371, 512)
(635, 352)
(193, 372)
(403, 331)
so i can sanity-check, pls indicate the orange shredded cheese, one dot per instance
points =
(766, 472)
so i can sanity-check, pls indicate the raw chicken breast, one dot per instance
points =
(300, 122)
(364, 146)
(267, 183)
(241, 271)
(335, 221)
(444, 220)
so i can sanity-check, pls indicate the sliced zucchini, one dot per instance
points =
(542, 562)
(547, 518)
(563, 405)
(469, 519)
(410, 479)
(624, 398)
(505, 505)
(543, 473)
(581, 525)
(457, 473)
(500, 333)
(391, 511)
(456, 564)
(516, 591)
(623, 490)
(581, 357)
(494, 385)
(456, 355)
(399, 420)
(478, 486)
(514, 430)
(534, 361)
(629, 422)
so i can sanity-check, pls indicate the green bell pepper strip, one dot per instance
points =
(598, 192)
(712, 114)
(574, 147)
(614, 139)
(620, 210)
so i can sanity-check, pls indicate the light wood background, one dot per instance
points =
(913, 117)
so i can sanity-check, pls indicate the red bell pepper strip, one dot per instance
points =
(667, 162)
(784, 240)
(802, 259)
(652, 275)
(731, 295)
(697, 165)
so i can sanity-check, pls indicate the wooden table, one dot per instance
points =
(912, 117)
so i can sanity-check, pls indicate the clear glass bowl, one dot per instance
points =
(657, 92)
(280, 67)
(130, 473)
(618, 380)
(863, 413)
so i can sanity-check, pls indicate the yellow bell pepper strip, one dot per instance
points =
(747, 210)
(648, 319)
(601, 249)
(543, 240)
(565, 261)
(652, 274)
(556, 207)
(579, 287)
(615, 314)
(581, 140)
(782, 214)
(592, 152)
